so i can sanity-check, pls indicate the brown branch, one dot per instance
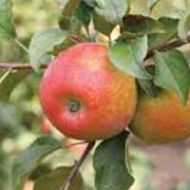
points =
(76, 167)
(160, 47)
(18, 66)
(167, 46)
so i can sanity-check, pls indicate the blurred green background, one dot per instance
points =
(21, 119)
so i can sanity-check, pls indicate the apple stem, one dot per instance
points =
(77, 166)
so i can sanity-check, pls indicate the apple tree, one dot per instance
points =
(147, 40)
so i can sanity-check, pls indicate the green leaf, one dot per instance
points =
(69, 6)
(83, 14)
(30, 158)
(128, 57)
(112, 11)
(110, 167)
(41, 43)
(101, 25)
(168, 8)
(8, 82)
(148, 86)
(172, 72)
(7, 30)
(55, 179)
(42, 170)
(90, 3)
(184, 26)
(5, 169)
(140, 24)
(139, 7)
(169, 26)
(152, 3)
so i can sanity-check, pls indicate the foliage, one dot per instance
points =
(154, 28)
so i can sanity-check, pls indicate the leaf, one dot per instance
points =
(55, 179)
(69, 7)
(101, 25)
(112, 11)
(139, 7)
(41, 43)
(169, 26)
(7, 30)
(90, 3)
(184, 26)
(40, 171)
(152, 3)
(83, 14)
(8, 82)
(148, 86)
(140, 24)
(128, 57)
(168, 8)
(31, 157)
(110, 167)
(172, 72)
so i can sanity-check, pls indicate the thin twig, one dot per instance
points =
(167, 46)
(22, 45)
(161, 47)
(18, 66)
(76, 167)
(5, 75)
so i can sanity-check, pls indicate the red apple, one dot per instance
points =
(85, 96)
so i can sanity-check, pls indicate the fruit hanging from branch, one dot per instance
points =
(161, 119)
(85, 96)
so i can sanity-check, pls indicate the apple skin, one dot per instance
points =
(161, 119)
(85, 96)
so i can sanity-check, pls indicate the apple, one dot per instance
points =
(161, 119)
(85, 96)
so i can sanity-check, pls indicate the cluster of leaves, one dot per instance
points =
(151, 32)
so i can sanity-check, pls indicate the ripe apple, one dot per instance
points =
(85, 96)
(161, 119)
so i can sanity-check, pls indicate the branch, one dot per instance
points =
(161, 47)
(18, 66)
(76, 167)
(167, 46)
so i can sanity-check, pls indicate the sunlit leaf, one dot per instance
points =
(41, 43)
(128, 57)
(184, 26)
(168, 8)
